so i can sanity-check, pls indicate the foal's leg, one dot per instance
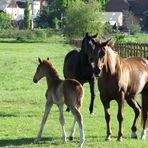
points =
(79, 119)
(136, 107)
(106, 105)
(144, 114)
(92, 91)
(62, 121)
(72, 130)
(48, 106)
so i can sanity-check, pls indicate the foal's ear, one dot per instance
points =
(40, 61)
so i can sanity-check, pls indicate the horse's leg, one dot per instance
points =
(106, 105)
(72, 130)
(136, 107)
(144, 114)
(92, 91)
(48, 106)
(79, 119)
(62, 121)
(120, 102)
(67, 109)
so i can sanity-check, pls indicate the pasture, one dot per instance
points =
(22, 104)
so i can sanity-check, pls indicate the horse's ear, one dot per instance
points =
(94, 36)
(108, 42)
(40, 61)
(111, 43)
(87, 35)
(48, 58)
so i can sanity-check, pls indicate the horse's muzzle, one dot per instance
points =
(96, 71)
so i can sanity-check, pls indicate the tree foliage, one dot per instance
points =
(27, 16)
(83, 17)
(5, 21)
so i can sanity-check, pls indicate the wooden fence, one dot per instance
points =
(124, 49)
(132, 49)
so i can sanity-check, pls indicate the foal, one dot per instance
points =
(121, 78)
(60, 92)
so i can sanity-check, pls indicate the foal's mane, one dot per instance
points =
(52, 69)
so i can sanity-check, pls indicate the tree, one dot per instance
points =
(55, 9)
(132, 22)
(5, 21)
(83, 17)
(102, 2)
(27, 16)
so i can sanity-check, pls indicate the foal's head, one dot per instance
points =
(99, 56)
(44, 69)
(88, 45)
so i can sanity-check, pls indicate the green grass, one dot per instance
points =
(22, 103)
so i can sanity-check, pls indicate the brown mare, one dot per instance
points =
(119, 79)
(60, 92)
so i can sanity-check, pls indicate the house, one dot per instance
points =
(16, 8)
(138, 7)
(114, 18)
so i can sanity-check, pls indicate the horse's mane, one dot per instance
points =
(52, 69)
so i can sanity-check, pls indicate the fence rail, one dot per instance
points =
(124, 49)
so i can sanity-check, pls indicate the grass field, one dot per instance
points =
(22, 104)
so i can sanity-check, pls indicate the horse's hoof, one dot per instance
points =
(143, 135)
(108, 138)
(71, 138)
(81, 144)
(37, 140)
(134, 135)
(92, 114)
(64, 139)
(120, 139)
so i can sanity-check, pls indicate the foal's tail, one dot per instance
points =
(80, 96)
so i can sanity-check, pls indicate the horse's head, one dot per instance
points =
(88, 45)
(99, 56)
(40, 71)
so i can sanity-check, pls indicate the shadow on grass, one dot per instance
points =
(3, 114)
(24, 141)
(23, 41)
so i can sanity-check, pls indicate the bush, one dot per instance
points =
(23, 34)
(134, 28)
(5, 21)
(118, 36)
(41, 34)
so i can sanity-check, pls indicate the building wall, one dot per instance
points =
(18, 13)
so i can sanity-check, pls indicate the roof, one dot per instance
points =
(139, 7)
(21, 3)
(4, 4)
